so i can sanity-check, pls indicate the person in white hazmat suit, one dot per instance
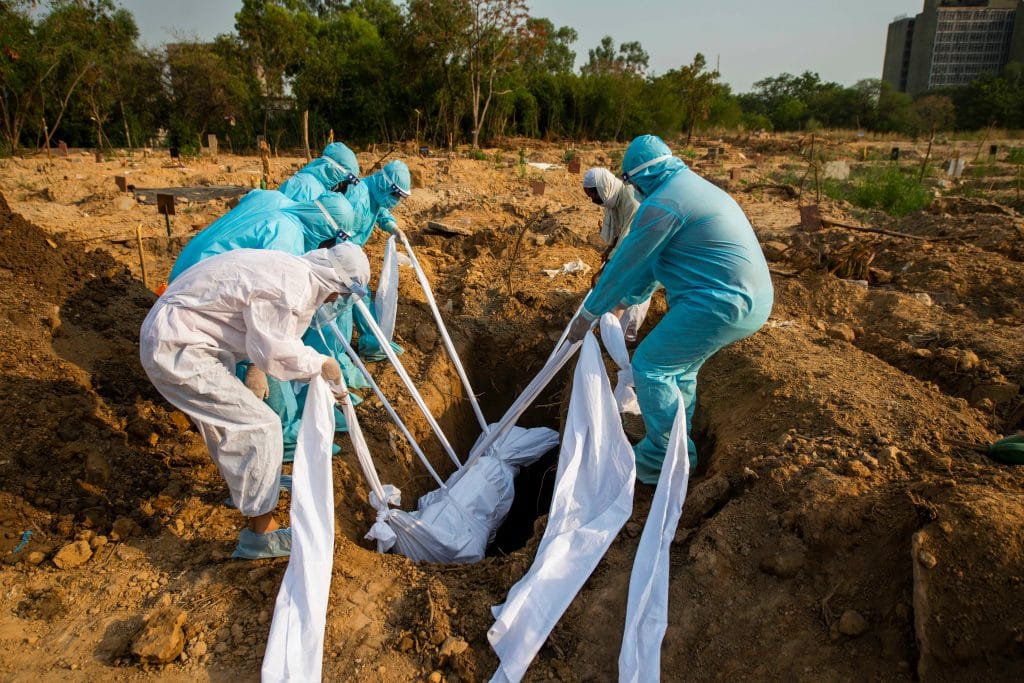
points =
(246, 304)
(619, 204)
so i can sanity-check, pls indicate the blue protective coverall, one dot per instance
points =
(694, 239)
(372, 200)
(338, 163)
(265, 219)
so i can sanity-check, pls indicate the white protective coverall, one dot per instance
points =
(246, 304)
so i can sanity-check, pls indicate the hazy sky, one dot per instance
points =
(843, 40)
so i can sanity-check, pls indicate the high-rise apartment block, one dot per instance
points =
(953, 42)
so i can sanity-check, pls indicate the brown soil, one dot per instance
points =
(839, 527)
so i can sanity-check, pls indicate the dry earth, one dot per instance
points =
(840, 526)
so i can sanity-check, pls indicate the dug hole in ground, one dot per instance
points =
(838, 527)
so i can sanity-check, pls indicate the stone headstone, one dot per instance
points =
(894, 154)
(62, 148)
(955, 167)
(175, 153)
(574, 165)
(537, 186)
(99, 156)
(837, 170)
(122, 182)
(736, 174)
(211, 142)
(993, 150)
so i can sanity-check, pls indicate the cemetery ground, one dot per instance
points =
(842, 524)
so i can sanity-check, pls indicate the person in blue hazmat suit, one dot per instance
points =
(337, 166)
(245, 304)
(694, 239)
(372, 200)
(265, 219)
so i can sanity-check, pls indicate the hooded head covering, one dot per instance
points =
(390, 185)
(343, 268)
(617, 201)
(325, 218)
(339, 153)
(337, 164)
(648, 163)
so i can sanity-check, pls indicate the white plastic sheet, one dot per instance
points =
(647, 606)
(456, 524)
(386, 300)
(592, 500)
(615, 344)
(296, 643)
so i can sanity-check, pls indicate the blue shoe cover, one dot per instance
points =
(254, 546)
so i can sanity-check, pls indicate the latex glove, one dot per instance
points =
(256, 380)
(388, 224)
(331, 371)
(578, 329)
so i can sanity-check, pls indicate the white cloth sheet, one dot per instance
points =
(593, 498)
(456, 524)
(615, 345)
(386, 301)
(647, 606)
(296, 643)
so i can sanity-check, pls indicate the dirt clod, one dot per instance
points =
(72, 555)
(852, 623)
(842, 331)
(161, 639)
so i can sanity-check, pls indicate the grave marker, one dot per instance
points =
(165, 206)
(894, 154)
(211, 142)
(810, 218)
(62, 147)
(122, 182)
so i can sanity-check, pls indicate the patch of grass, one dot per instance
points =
(1016, 156)
(477, 154)
(888, 189)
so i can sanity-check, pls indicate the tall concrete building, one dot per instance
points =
(953, 42)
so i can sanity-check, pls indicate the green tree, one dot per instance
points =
(697, 88)
(934, 113)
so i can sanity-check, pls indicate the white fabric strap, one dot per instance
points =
(615, 344)
(647, 605)
(336, 331)
(295, 646)
(556, 362)
(593, 498)
(648, 164)
(445, 337)
(381, 496)
(400, 369)
(386, 300)
(328, 216)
